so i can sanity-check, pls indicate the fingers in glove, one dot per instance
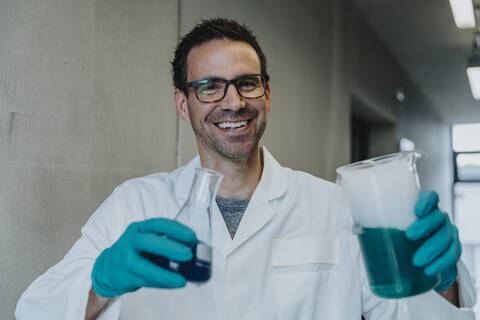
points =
(433, 246)
(170, 228)
(448, 259)
(162, 246)
(427, 201)
(154, 276)
(426, 225)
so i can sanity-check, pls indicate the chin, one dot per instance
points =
(238, 153)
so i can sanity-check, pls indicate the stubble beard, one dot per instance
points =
(223, 150)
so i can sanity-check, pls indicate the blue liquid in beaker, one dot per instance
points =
(388, 256)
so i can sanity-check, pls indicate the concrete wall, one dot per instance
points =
(86, 102)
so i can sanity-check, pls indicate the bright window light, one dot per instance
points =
(406, 145)
(474, 79)
(463, 13)
(468, 165)
(465, 137)
(467, 218)
(468, 159)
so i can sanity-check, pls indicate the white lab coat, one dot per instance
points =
(293, 257)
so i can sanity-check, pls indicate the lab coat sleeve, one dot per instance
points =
(62, 292)
(428, 306)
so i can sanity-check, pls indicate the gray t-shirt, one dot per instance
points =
(232, 212)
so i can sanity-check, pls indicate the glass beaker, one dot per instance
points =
(196, 214)
(382, 193)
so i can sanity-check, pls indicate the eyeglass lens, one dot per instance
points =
(210, 90)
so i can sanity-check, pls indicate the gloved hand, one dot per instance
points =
(441, 249)
(123, 268)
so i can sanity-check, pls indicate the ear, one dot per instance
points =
(267, 95)
(181, 104)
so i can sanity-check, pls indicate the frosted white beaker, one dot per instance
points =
(382, 193)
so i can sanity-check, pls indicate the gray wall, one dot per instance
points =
(299, 70)
(421, 124)
(86, 102)
(373, 77)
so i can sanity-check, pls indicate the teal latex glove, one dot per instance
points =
(123, 268)
(441, 249)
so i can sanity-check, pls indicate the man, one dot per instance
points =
(292, 256)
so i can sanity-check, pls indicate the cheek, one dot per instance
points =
(267, 104)
(204, 112)
(264, 108)
(199, 118)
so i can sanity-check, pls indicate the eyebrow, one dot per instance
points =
(246, 75)
(208, 79)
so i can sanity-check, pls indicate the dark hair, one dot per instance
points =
(207, 30)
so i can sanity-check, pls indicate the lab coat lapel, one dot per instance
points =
(221, 239)
(272, 185)
(182, 179)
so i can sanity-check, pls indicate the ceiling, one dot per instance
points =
(422, 35)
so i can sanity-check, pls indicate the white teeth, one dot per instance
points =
(231, 125)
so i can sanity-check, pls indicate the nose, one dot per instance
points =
(233, 101)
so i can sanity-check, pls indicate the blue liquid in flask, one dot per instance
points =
(195, 214)
(195, 270)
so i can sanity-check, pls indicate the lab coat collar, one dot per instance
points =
(272, 185)
(273, 180)
(183, 178)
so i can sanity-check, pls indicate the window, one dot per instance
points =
(466, 191)
(466, 152)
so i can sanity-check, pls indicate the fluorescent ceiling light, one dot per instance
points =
(463, 13)
(474, 79)
(473, 68)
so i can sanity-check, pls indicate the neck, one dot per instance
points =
(240, 177)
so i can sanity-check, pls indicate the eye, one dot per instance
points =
(248, 84)
(210, 88)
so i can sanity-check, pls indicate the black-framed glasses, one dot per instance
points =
(215, 89)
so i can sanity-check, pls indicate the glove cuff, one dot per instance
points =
(447, 278)
(96, 276)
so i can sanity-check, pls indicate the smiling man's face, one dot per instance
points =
(233, 126)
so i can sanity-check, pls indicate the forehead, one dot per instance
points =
(223, 59)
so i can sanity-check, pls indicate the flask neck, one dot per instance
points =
(196, 211)
(204, 187)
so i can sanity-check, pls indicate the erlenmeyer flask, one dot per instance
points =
(196, 214)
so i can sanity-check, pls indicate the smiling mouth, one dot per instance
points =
(232, 125)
